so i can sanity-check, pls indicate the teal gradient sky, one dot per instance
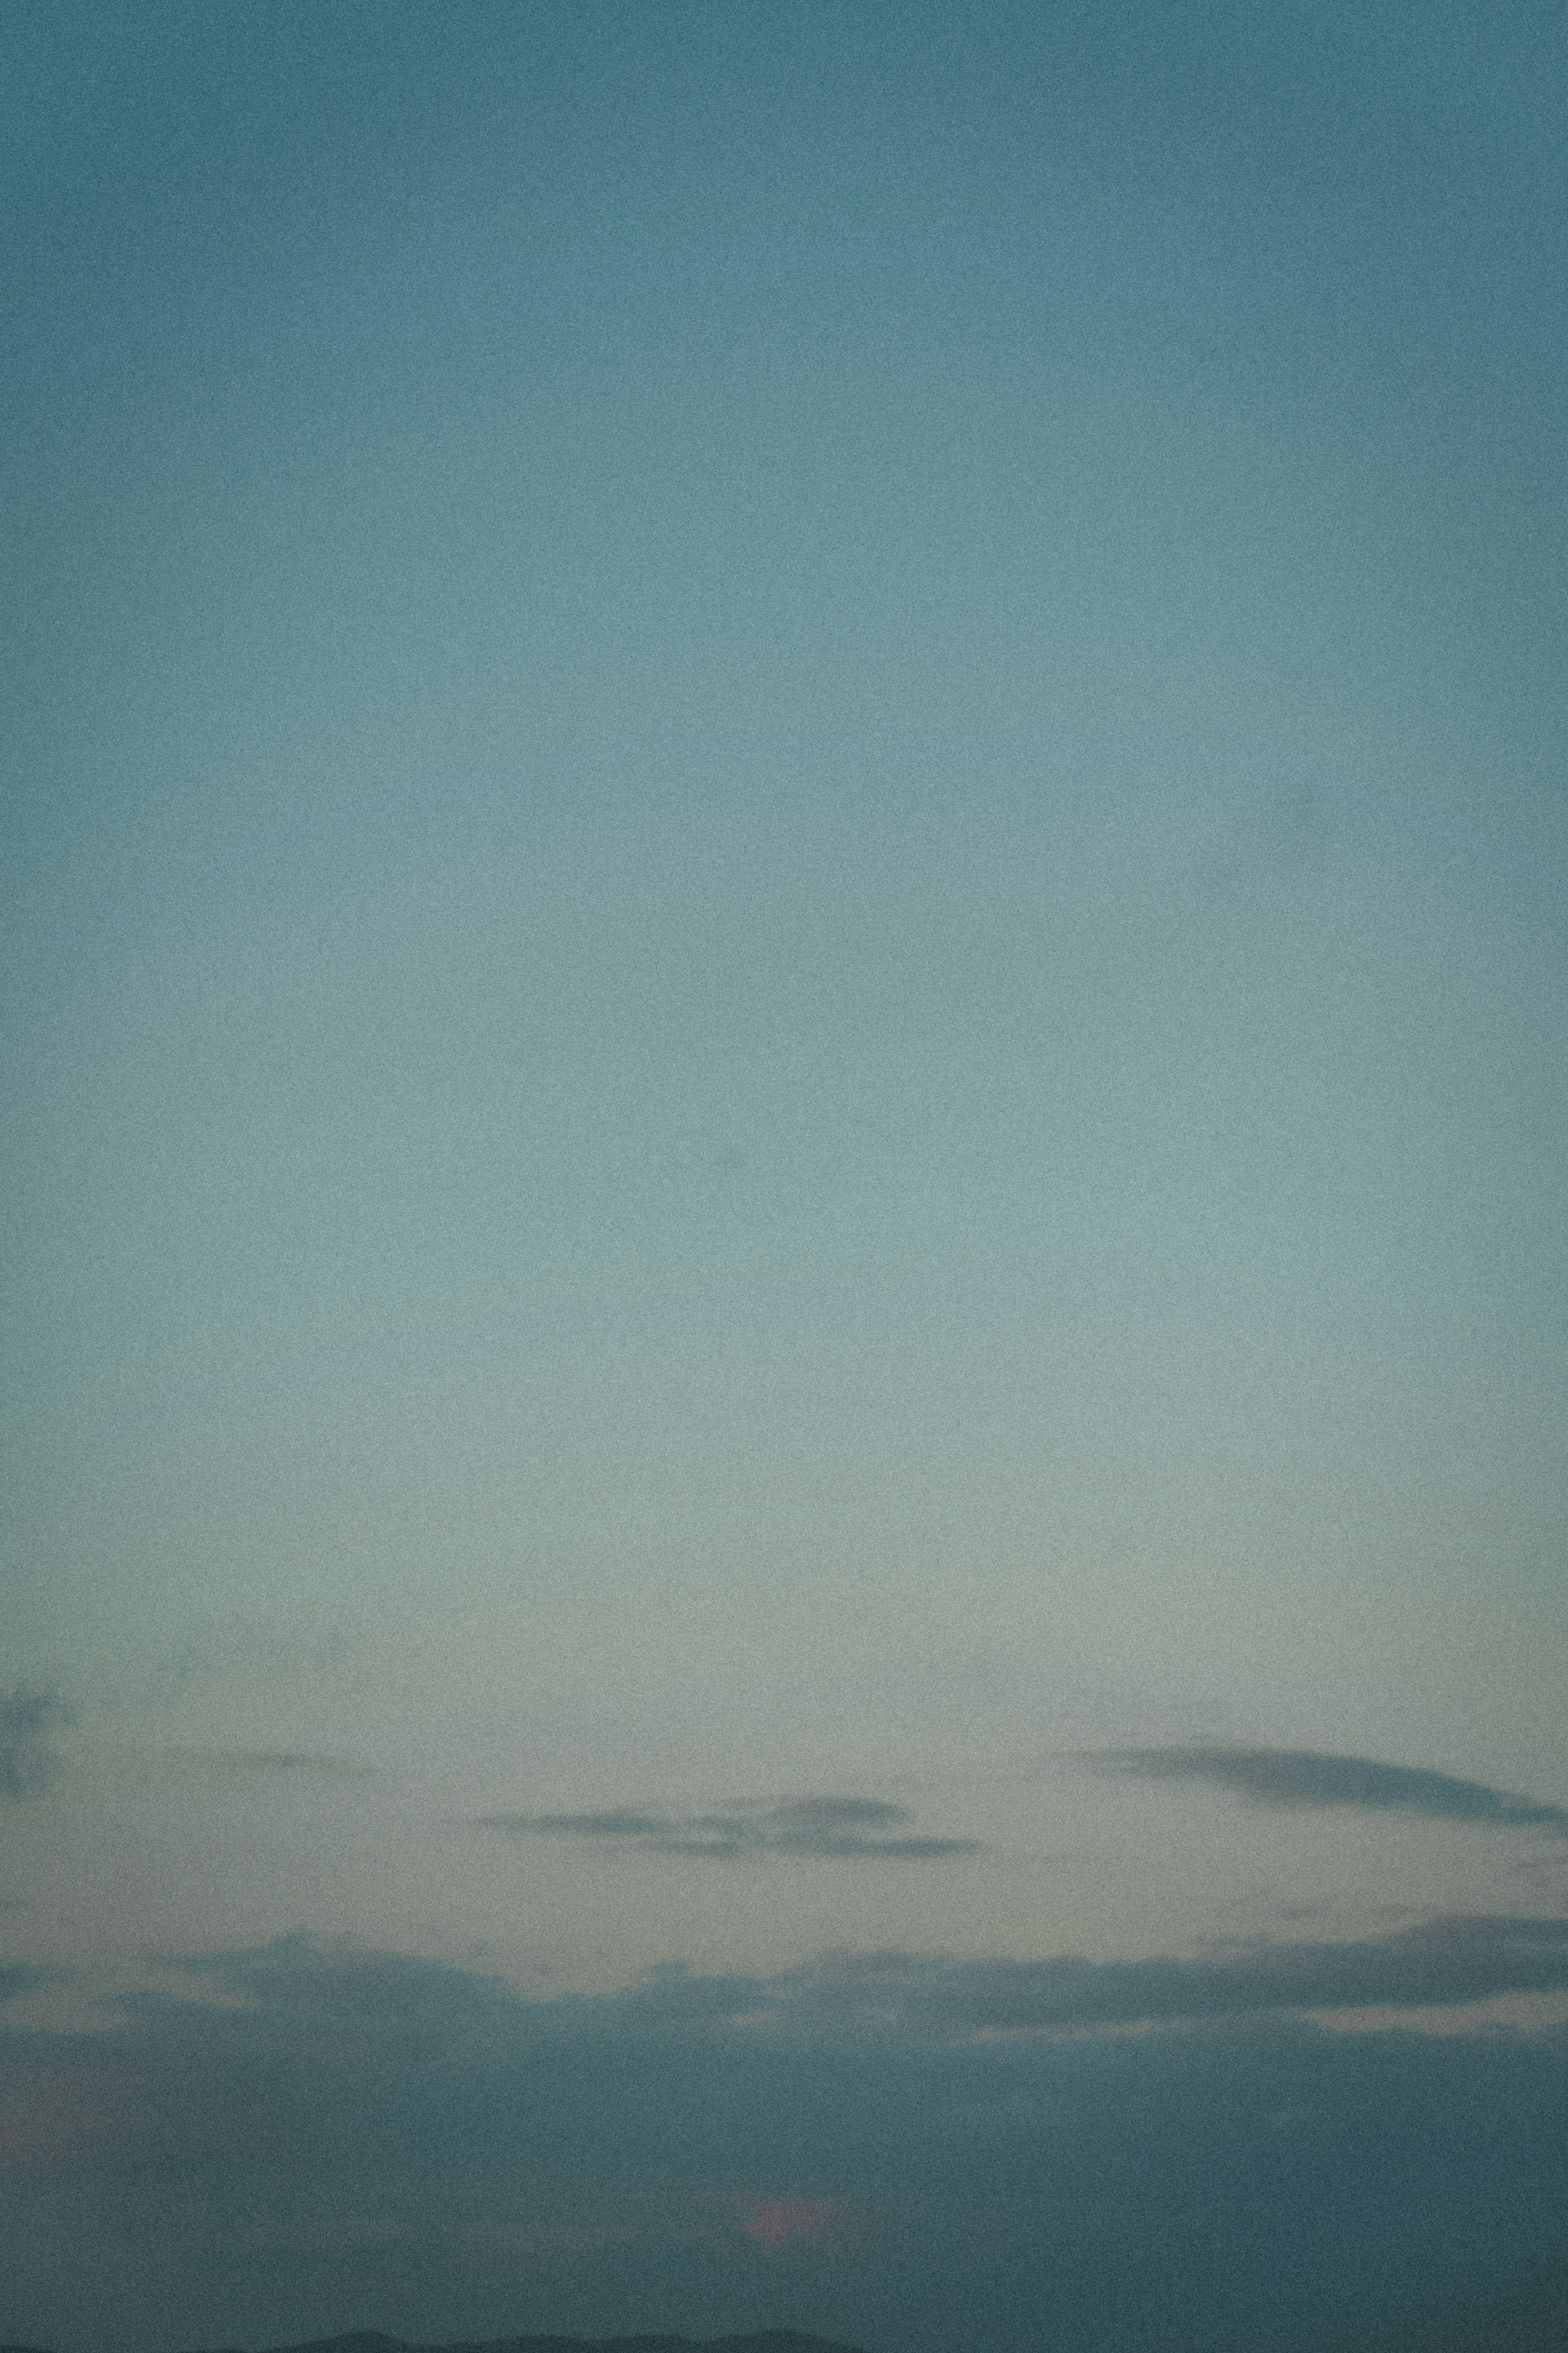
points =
(784, 1373)
(784, 927)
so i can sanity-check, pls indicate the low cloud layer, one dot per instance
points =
(919, 1999)
(923, 2001)
(836, 1829)
(1299, 1777)
(352, 2139)
(1437, 1965)
(28, 1719)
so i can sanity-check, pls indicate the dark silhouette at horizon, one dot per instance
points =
(368, 2340)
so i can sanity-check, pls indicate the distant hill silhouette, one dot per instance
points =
(771, 2340)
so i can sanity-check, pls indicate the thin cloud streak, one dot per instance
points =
(829, 1828)
(288, 1762)
(1292, 1779)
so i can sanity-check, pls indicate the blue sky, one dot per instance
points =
(783, 948)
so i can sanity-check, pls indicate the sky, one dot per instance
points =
(783, 1350)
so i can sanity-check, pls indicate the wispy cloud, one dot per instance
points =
(292, 1763)
(837, 1828)
(1300, 1777)
(28, 1718)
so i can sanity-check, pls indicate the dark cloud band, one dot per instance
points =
(836, 1829)
(1437, 1966)
(1300, 1777)
(899, 1996)
(347, 2135)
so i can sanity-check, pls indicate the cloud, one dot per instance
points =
(899, 1997)
(373, 2141)
(28, 1717)
(924, 2000)
(289, 1762)
(1436, 1964)
(833, 1827)
(1300, 1778)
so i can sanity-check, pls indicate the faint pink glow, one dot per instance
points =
(776, 2220)
(50, 2116)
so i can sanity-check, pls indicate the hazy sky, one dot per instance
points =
(785, 888)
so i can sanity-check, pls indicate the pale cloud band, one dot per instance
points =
(832, 1829)
(1295, 1778)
